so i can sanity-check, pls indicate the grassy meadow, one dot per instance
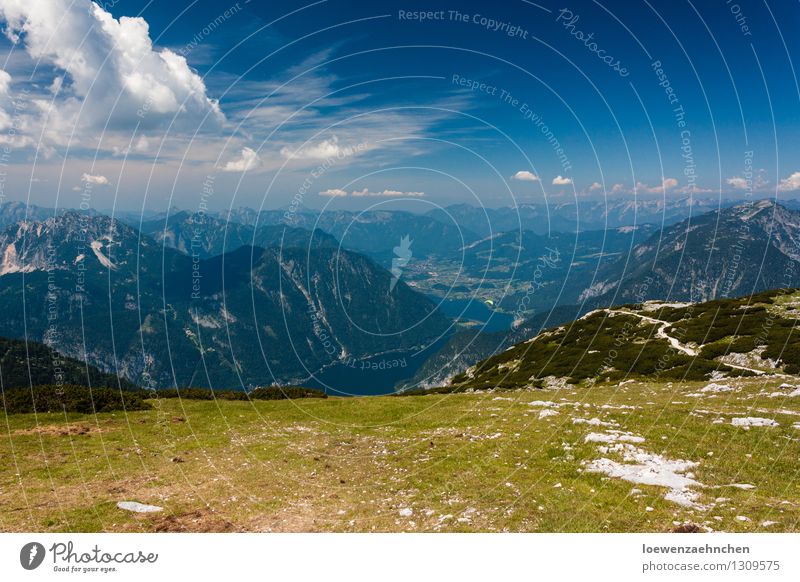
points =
(517, 460)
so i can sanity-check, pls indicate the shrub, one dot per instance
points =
(70, 398)
(261, 393)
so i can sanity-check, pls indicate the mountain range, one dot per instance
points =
(197, 299)
(93, 287)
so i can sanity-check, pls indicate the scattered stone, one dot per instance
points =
(137, 507)
(749, 421)
(612, 437)
(717, 388)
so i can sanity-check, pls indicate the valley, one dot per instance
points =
(516, 382)
(240, 299)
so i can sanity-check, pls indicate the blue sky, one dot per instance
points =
(346, 104)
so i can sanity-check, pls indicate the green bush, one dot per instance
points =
(70, 398)
(261, 393)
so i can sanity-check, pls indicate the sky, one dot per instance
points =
(202, 104)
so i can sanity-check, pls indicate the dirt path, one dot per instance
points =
(661, 333)
(675, 343)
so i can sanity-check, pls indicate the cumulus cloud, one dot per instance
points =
(790, 184)
(666, 184)
(738, 183)
(333, 192)
(96, 179)
(525, 176)
(247, 161)
(561, 181)
(596, 186)
(108, 72)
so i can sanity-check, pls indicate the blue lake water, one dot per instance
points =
(380, 375)
(371, 376)
(475, 310)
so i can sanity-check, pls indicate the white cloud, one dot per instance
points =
(326, 149)
(666, 184)
(141, 146)
(112, 74)
(617, 188)
(790, 184)
(5, 100)
(560, 181)
(96, 179)
(669, 183)
(525, 176)
(739, 183)
(247, 161)
(333, 192)
(5, 82)
(596, 186)
(389, 193)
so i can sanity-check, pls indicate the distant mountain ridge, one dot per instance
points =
(577, 215)
(158, 316)
(735, 251)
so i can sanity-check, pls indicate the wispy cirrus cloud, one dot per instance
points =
(366, 192)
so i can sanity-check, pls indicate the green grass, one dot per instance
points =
(460, 462)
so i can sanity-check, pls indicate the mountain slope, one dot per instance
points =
(732, 337)
(205, 235)
(524, 273)
(24, 364)
(744, 249)
(163, 318)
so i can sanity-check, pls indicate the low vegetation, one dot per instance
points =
(29, 363)
(648, 417)
(69, 398)
(262, 393)
(516, 460)
(654, 341)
